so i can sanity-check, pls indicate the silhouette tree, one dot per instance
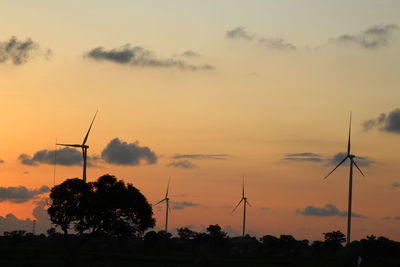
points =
(66, 203)
(334, 239)
(115, 209)
(108, 207)
(185, 233)
(215, 232)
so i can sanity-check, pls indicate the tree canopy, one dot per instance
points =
(107, 206)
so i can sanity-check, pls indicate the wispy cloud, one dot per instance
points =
(182, 205)
(20, 194)
(20, 52)
(190, 53)
(202, 156)
(306, 156)
(141, 57)
(361, 161)
(122, 153)
(326, 211)
(273, 43)
(373, 38)
(396, 185)
(184, 164)
(395, 218)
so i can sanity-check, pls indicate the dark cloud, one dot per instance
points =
(65, 156)
(140, 57)
(20, 52)
(264, 209)
(372, 38)
(20, 194)
(1, 161)
(183, 204)
(306, 156)
(201, 156)
(184, 164)
(122, 153)
(361, 161)
(190, 53)
(396, 185)
(274, 43)
(327, 210)
(10, 222)
(385, 122)
(239, 33)
(395, 218)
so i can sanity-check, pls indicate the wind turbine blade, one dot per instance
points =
(355, 164)
(159, 202)
(348, 142)
(69, 145)
(243, 187)
(247, 202)
(166, 194)
(87, 134)
(336, 167)
(237, 206)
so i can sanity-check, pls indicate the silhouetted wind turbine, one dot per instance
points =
(245, 202)
(352, 162)
(167, 208)
(84, 148)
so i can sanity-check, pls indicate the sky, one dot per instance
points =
(206, 92)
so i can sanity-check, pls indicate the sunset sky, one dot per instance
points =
(205, 92)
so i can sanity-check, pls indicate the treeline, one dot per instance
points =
(109, 223)
(211, 248)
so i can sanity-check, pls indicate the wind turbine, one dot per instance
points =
(84, 148)
(245, 202)
(352, 162)
(167, 208)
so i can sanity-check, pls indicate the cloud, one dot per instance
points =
(140, 57)
(361, 161)
(122, 153)
(373, 38)
(201, 156)
(20, 194)
(327, 210)
(395, 218)
(2, 161)
(274, 43)
(307, 156)
(183, 204)
(10, 222)
(19, 52)
(264, 209)
(396, 185)
(65, 156)
(239, 33)
(385, 122)
(184, 164)
(190, 53)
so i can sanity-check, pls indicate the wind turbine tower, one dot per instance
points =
(84, 148)
(167, 208)
(245, 203)
(352, 163)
